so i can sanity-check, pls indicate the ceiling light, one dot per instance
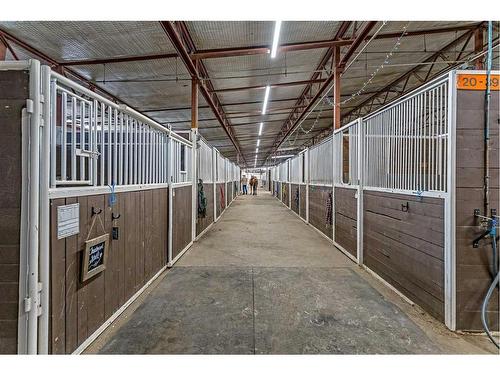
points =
(266, 97)
(258, 142)
(282, 156)
(274, 49)
(257, 151)
(260, 128)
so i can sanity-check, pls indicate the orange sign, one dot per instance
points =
(477, 82)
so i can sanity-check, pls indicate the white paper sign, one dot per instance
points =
(68, 220)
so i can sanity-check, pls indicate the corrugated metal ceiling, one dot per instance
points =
(162, 87)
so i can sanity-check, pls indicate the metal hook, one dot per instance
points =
(405, 207)
(113, 217)
(96, 211)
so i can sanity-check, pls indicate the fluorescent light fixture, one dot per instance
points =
(258, 142)
(282, 156)
(266, 97)
(260, 128)
(256, 151)
(276, 37)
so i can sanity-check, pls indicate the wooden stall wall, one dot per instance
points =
(229, 193)
(203, 223)
(403, 242)
(181, 220)
(473, 275)
(303, 201)
(220, 200)
(295, 194)
(14, 90)
(78, 309)
(284, 197)
(346, 214)
(318, 209)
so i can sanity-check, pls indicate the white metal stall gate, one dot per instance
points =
(404, 148)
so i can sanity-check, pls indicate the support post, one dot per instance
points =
(360, 190)
(194, 141)
(306, 155)
(478, 47)
(44, 261)
(336, 87)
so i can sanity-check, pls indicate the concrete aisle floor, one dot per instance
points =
(261, 281)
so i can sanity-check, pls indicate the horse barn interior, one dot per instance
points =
(370, 151)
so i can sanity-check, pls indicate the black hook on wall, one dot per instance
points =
(96, 211)
(405, 207)
(113, 217)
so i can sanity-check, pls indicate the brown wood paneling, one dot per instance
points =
(295, 195)
(318, 198)
(303, 201)
(228, 192)
(181, 229)
(284, 197)
(473, 265)
(219, 195)
(203, 223)
(14, 89)
(346, 219)
(407, 248)
(78, 309)
(57, 284)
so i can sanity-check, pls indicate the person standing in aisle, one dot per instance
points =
(244, 181)
(255, 185)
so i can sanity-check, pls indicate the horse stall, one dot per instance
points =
(220, 184)
(104, 198)
(409, 198)
(320, 187)
(205, 198)
(285, 185)
(297, 180)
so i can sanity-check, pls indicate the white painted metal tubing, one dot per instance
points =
(360, 157)
(43, 330)
(15, 65)
(34, 199)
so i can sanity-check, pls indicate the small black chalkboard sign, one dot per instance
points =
(94, 256)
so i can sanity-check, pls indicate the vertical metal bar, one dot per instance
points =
(93, 125)
(63, 137)
(73, 138)
(82, 138)
(143, 153)
(115, 146)
(127, 146)
(110, 135)
(139, 153)
(136, 152)
(120, 151)
(103, 141)
(53, 132)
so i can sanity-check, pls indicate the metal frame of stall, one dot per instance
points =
(104, 147)
(432, 140)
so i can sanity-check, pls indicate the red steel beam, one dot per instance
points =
(286, 131)
(408, 73)
(55, 64)
(272, 85)
(259, 50)
(171, 30)
(124, 59)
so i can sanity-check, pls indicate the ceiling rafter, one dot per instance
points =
(257, 50)
(295, 116)
(367, 105)
(183, 43)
